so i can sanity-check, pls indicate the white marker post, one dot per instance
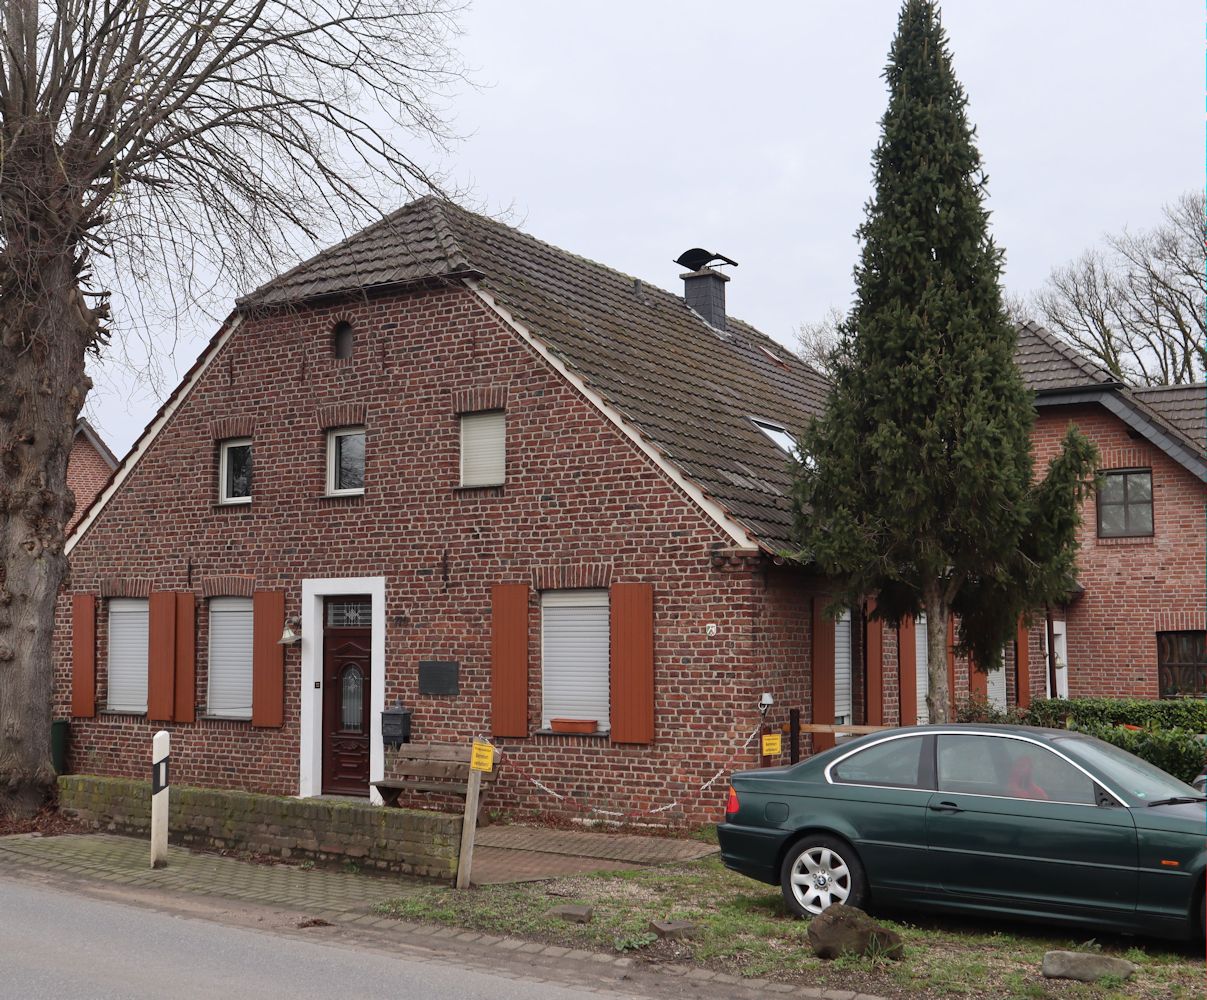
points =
(159, 799)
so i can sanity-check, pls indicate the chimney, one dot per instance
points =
(704, 287)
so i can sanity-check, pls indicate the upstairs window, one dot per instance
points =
(346, 461)
(234, 471)
(229, 692)
(128, 629)
(783, 440)
(342, 339)
(483, 448)
(1125, 503)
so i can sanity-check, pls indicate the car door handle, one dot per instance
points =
(946, 807)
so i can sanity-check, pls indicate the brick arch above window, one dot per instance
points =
(125, 587)
(341, 415)
(232, 427)
(228, 586)
(572, 577)
(479, 398)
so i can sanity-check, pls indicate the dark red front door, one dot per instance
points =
(346, 662)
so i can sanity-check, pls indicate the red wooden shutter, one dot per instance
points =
(509, 659)
(632, 662)
(161, 656)
(186, 647)
(951, 663)
(978, 682)
(267, 658)
(1022, 665)
(823, 673)
(907, 671)
(874, 658)
(83, 656)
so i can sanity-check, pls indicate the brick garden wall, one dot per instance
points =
(578, 497)
(409, 841)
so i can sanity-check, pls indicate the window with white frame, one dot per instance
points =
(483, 448)
(842, 669)
(921, 669)
(575, 637)
(346, 461)
(229, 693)
(234, 471)
(128, 625)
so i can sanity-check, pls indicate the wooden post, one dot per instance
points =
(794, 735)
(159, 799)
(465, 859)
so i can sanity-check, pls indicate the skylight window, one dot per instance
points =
(783, 440)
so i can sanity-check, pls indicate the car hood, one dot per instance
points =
(1183, 817)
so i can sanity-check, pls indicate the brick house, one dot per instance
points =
(488, 479)
(89, 467)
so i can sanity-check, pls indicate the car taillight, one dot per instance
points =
(731, 804)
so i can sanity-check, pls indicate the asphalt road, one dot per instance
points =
(57, 945)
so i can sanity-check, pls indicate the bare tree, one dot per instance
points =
(159, 136)
(816, 342)
(1136, 306)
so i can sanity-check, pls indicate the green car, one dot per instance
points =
(1034, 824)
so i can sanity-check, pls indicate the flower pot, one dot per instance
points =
(574, 725)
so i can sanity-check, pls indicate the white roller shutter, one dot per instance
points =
(996, 685)
(575, 635)
(128, 624)
(842, 668)
(230, 657)
(922, 669)
(483, 448)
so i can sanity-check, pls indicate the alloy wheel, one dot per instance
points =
(820, 878)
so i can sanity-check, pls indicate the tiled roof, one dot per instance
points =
(1183, 406)
(1048, 363)
(689, 389)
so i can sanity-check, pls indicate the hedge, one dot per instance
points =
(1169, 733)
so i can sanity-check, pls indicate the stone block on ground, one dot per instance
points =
(572, 913)
(673, 930)
(847, 930)
(1085, 967)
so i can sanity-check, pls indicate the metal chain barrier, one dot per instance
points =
(587, 809)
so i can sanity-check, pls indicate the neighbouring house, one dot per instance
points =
(519, 493)
(89, 467)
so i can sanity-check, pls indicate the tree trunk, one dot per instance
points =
(938, 697)
(45, 328)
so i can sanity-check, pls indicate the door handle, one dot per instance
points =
(946, 807)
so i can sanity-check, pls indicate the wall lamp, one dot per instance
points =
(292, 632)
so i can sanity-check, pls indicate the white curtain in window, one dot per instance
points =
(127, 654)
(842, 668)
(575, 638)
(922, 669)
(483, 449)
(230, 657)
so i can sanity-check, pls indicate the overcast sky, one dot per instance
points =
(629, 131)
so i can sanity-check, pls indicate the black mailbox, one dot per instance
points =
(396, 726)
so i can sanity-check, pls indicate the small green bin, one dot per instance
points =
(60, 730)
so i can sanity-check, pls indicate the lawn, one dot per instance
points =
(745, 931)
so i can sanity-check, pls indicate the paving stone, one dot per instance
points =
(701, 975)
(555, 951)
(578, 955)
(511, 944)
(673, 930)
(838, 995)
(469, 936)
(572, 913)
(867, 996)
(783, 988)
(532, 947)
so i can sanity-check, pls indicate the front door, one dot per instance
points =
(346, 663)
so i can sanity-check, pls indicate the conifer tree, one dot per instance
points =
(917, 484)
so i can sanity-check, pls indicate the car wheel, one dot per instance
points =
(819, 871)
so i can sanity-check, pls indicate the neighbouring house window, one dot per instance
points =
(782, 438)
(128, 624)
(1182, 664)
(346, 461)
(575, 638)
(921, 671)
(483, 448)
(1125, 503)
(342, 338)
(234, 471)
(842, 669)
(230, 657)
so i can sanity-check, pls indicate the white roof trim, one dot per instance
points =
(148, 436)
(714, 511)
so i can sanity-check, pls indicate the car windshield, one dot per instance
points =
(1125, 772)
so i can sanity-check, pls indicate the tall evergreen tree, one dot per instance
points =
(917, 484)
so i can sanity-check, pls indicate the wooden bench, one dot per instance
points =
(431, 768)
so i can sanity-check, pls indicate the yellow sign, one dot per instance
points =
(771, 744)
(483, 757)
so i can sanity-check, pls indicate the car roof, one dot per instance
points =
(971, 728)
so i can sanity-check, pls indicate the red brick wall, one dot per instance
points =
(87, 473)
(577, 494)
(1134, 587)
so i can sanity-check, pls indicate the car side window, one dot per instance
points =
(1015, 769)
(894, 762)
